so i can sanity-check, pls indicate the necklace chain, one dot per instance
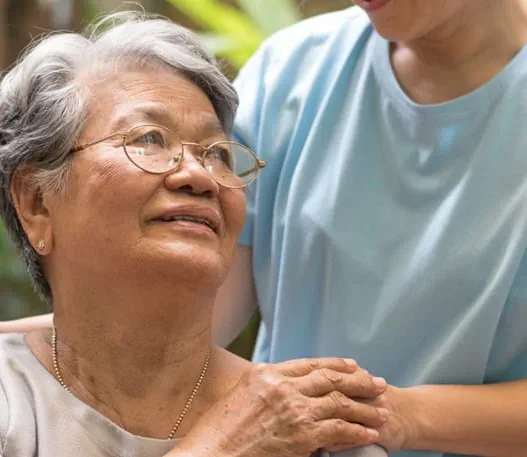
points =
(186, 408)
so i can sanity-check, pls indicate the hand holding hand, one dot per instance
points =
(290, 409)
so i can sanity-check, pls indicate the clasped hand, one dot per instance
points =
(292, 409)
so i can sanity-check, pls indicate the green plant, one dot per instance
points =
(17, 298)
(236, 33)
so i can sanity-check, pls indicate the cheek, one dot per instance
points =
(105, 198)
(234, 210)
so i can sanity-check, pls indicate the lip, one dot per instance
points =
(371, 5)
(210, 215)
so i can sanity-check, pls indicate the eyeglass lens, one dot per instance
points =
(158, 150)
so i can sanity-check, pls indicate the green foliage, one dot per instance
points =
(236, 33)
(17, 298)
(271, 15)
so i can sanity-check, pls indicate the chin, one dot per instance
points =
(391, 31)
(189, 262)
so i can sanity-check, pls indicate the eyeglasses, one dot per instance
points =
(157, 150)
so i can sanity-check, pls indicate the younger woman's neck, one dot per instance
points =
(463, 54)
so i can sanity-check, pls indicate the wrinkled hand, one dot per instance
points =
(289, 409)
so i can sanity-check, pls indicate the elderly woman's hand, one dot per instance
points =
(290, 409)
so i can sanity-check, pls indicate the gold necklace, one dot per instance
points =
(186, 408)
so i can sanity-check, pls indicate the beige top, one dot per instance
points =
(38, 418)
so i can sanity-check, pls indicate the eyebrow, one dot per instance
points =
(159, 114)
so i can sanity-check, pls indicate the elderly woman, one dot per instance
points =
(120, 188)
(396, 133)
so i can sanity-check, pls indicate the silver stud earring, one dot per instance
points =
(41, 245)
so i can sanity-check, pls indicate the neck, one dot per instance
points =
(125, 352)
(463, 53)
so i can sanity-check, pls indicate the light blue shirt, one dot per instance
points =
(384, 230)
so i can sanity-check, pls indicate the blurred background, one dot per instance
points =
(231, 29)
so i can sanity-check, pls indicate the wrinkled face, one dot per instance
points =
(399, 20)
(121, 220)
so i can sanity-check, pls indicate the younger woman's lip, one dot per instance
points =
(372, 5)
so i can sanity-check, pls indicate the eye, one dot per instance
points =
(220, 153)
(150, 137)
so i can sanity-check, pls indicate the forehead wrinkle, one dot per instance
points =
(157, 113)
(147, 96)
(151, 112)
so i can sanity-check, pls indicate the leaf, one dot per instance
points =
(271, 15)
(224, 21)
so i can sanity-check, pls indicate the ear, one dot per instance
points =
(32, 209)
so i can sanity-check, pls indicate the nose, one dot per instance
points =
(191, 176)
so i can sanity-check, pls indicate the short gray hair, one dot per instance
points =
(44, 105)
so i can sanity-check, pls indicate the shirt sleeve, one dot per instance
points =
(265, 119)
(273, 117)
(508, 357)
(250, 88)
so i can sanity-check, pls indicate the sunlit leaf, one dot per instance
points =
(225, 21)
(271, 15)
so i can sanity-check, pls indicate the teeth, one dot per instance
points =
(190, 219)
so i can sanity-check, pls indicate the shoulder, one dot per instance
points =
(18, 369)
(9, 347)
(4, 411)
(295, 68)
(318, 30)
(12, 354)
(304, 44)
(23, 380)
(225, 371)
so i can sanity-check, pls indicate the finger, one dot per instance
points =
(302, 367)
(337, 432)
(379, 402)
(359, 383)
(337, 406)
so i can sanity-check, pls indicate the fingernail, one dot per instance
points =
(379, 382)
(383, 413)
(373, 434)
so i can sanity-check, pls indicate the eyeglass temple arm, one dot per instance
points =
(260, 164)
(87, 145)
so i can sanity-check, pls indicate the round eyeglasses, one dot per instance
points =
(156, 149)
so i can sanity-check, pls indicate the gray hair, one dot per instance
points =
(44, 103)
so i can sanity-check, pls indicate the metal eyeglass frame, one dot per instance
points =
(258, 162)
